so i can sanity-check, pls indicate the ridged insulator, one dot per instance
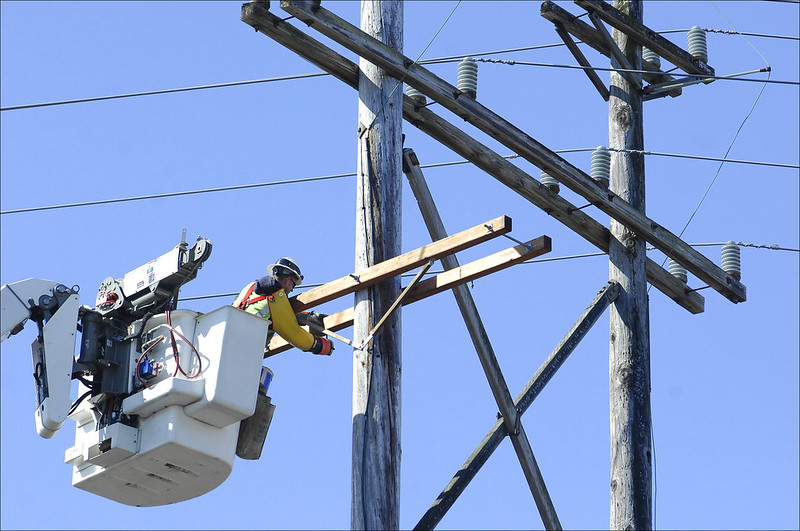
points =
(697, 43)
(651, 57)
(468, 77)
(550, 182)
(732, 260)
(678, 271)
(416, 95)
(601, 166)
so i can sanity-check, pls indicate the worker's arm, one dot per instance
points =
(284, 322)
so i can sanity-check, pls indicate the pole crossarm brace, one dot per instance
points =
(463, 144)
(646, 37)
(512, 417)
(487, 446)
(615, 51)
(578, 54)
(590, 36)
(400, 264)
(490, 123)
(397, 303)
(432, 286)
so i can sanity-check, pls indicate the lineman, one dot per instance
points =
(268, 297)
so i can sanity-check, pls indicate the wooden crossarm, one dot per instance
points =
(400, 264)
(441, 282)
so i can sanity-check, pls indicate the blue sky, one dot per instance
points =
(724, 382)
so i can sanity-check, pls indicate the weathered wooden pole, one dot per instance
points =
(376, 368)
(629, 357)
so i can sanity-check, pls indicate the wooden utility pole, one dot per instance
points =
(629, 357)
(377, 366)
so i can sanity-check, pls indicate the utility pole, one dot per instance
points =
(629, 356)
(377, 366)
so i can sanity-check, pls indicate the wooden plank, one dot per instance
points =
(644, 36)
(588, 35)
(441, 282)
(475, 113)
(400, 264)
(535, 385)
(480, 339)
(480, 268)
(578, 54)
(463, 144)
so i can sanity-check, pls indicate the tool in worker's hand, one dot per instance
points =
(315, 323)
(337, 336)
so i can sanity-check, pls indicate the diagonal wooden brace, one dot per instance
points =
(395, 304)
(526, 397)
(578, 54)
(615, 51)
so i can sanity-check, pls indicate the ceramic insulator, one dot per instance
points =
(550, 182)
(731, 260)
(678, 271)
(697, 43)
(601, 166)
(468, 77)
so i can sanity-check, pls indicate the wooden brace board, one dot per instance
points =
(441, 282)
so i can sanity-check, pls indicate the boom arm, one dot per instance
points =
(55, 309)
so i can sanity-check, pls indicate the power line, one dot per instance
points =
(631, 70)
(164, 91)
(716, 159)
(773, 247)
(342, 175)
(174, 194)
(439, 60)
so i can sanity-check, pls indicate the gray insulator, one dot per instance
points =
(468, 77)
(601, 166)
(550, 182)
(732, 260)
(678, 271)
(697, 43)
(651, 57)
(416, 95)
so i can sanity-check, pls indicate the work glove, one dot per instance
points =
(322, 346)
(313, 320)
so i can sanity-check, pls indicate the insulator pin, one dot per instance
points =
(678, 271)
(549, 182)
(468, 77)
(416, 95)
(732, 260)
(601, 166)
(697, 43)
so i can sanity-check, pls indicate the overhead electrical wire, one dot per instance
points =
(632, 71)
(739, 130)
(164, 91)
(774, 247)
(439, 60)
(352, 174)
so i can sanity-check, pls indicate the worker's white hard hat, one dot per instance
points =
(287, 266)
